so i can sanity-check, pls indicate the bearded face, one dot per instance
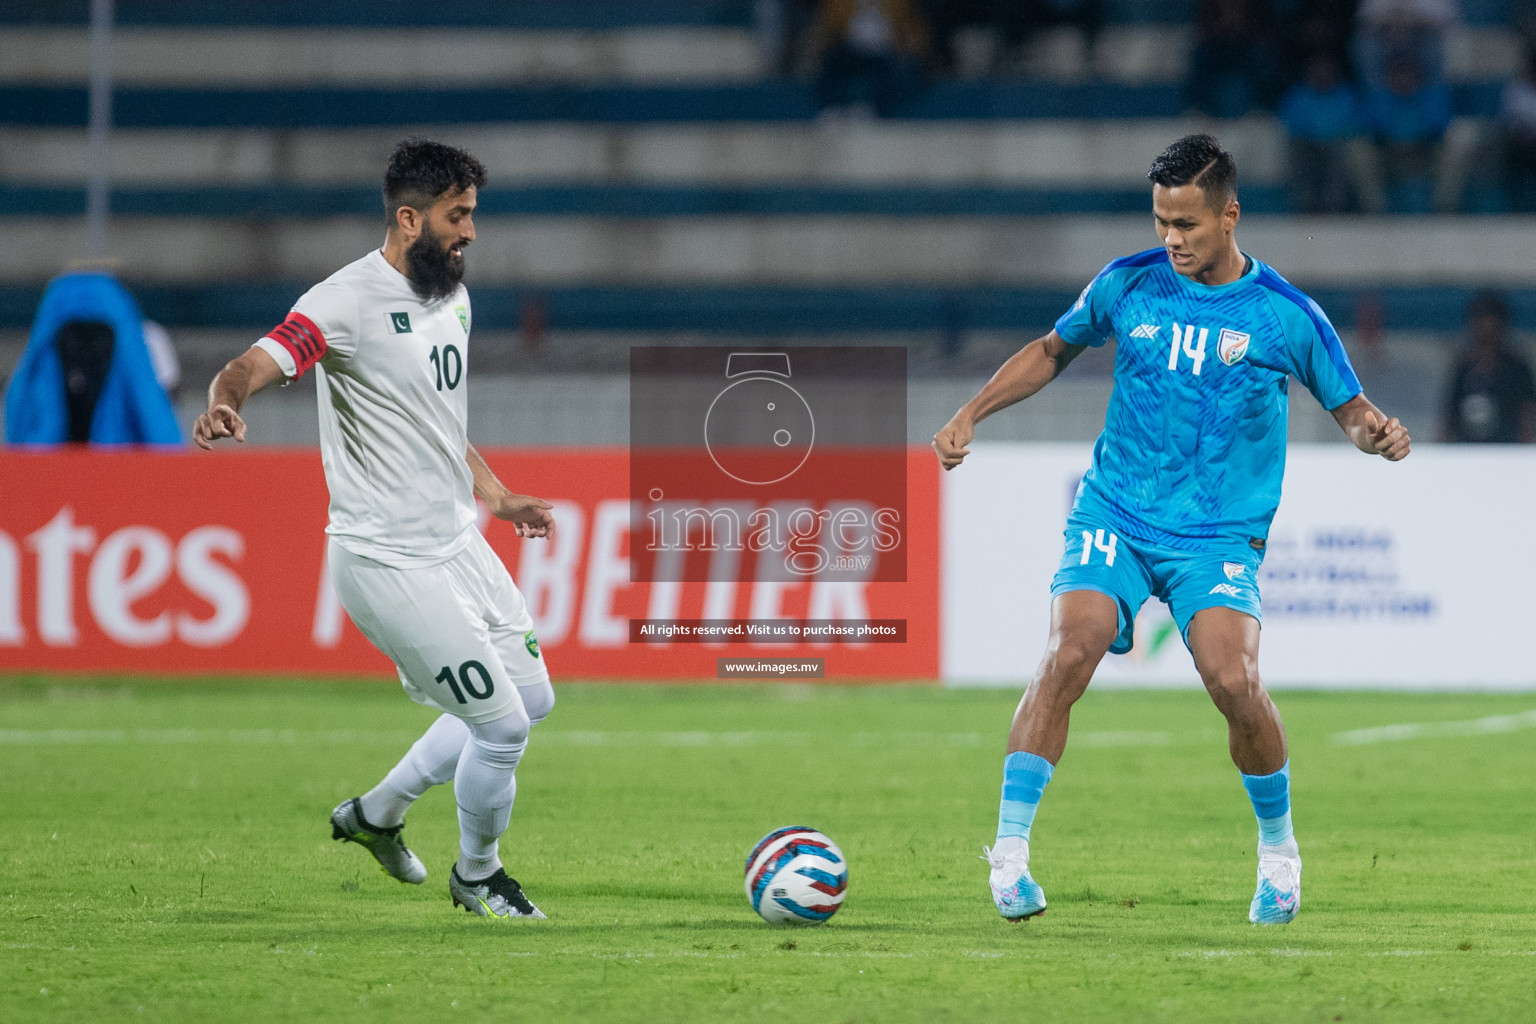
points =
(435, 264)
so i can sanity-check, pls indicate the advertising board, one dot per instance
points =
(214, 563)
(1406, 575)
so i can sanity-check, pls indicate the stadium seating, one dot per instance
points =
(651, 183)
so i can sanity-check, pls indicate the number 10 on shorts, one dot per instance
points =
(464, 684)
(1095, 542)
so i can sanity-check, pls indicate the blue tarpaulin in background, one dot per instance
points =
(132, 407)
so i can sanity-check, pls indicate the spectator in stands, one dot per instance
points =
(1231, 70)
(1397, 30)
(1305, 28)
(1321, 117)
(86, 374)
(871, 55)
(1492, 397)
(1407, 119)
(1517, 137)
(1019, 21)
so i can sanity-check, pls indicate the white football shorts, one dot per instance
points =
(459, 632)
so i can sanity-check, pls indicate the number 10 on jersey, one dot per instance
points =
(447, 367)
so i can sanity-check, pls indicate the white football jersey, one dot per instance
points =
(392, 387)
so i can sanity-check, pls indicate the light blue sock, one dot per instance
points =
(1024, 779)
(1271, 796)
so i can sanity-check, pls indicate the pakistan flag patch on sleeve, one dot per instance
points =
(399, 323)
(532, 643)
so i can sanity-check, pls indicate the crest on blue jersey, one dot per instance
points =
(1231, 345)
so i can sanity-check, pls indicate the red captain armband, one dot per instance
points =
(303, 340)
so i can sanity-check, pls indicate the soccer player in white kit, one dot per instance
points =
(388, 338)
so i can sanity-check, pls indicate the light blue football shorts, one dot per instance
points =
(1224, 575)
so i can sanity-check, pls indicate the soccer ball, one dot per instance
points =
(796, 875)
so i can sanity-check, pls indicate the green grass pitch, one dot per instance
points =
(165, 856)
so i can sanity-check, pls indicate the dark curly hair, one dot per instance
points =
(1198, 160)
(421, 171)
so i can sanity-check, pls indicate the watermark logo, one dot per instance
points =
(783, 465)
(756, 417)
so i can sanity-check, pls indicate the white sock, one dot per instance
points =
(485, 785)
(1006, 845)
(430, 762)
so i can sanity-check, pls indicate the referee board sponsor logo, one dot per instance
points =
(399, 323)
(144, 587)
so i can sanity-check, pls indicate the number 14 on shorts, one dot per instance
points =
(1095, 541)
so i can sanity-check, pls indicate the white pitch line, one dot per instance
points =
(183, 737)
(555, 737)
(1425, 730)
(638, 737)
(1119, 739)
(924, 954)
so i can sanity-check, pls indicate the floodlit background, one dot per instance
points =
(943, 175)
(946, 175)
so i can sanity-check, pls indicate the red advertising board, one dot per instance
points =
(213, 563)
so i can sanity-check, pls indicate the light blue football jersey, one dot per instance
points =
(1193, 448)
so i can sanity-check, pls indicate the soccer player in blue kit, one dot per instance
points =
(1177, 503)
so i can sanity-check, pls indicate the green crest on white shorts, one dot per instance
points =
(531, 642)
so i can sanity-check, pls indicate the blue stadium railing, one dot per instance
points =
(60, 106)
(532, 14)
(767, 310)
(291, 201)
(523, 14)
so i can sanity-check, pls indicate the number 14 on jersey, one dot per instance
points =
(1186, 341)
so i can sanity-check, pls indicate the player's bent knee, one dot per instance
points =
(1234, 689)
(1073, 655)
(510, 730)
(538, 700)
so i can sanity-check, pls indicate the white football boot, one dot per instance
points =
(1016, 894)
(498, 896)
(1278, 896)
(348, 823)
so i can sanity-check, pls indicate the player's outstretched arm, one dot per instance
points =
(241, 378)
(1026, 372)
(1370, 430)
(531, 516)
